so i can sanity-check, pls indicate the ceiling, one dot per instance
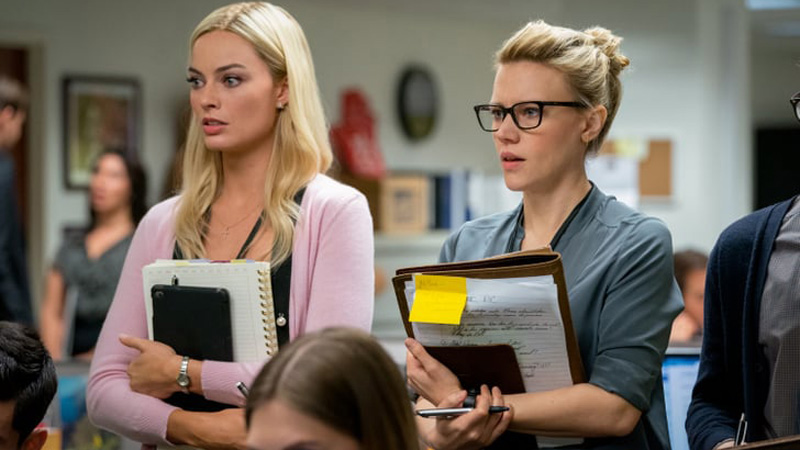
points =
(774, 24)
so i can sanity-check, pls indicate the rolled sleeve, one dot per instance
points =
(639, 306)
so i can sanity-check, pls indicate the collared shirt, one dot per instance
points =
(779, 328)
(622, 293)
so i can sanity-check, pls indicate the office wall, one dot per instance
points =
(685, 55)
(776, 76)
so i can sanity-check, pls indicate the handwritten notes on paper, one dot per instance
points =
(439, 299)
(522, 312)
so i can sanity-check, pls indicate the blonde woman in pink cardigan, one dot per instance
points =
(253, 187)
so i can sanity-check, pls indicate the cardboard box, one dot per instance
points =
(404, 204)
(399, 204)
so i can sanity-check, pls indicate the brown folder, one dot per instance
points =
(474, 365)
(512, 265)
(784, 443)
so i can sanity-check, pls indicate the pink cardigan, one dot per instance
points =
(332, 284)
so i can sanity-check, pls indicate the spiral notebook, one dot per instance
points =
(250, 291)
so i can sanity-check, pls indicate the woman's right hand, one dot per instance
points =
(427, 376)
(474, 430)
(223, 430)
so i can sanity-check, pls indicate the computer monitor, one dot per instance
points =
(680, 373)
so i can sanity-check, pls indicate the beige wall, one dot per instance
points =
(686, 57)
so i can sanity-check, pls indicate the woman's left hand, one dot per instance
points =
(427, 376)
(155, 370)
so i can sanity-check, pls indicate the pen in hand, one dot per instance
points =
(446, 413)
(243, 389)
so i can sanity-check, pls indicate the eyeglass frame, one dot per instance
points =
(794, 100)
(510, 111)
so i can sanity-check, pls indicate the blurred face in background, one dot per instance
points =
(694, 287)
(11, 122)
(277, 426)
(110, 185)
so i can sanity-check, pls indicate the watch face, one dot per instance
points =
(417, 102)
(183, 380)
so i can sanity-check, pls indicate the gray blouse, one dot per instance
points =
(93, 282)
(622, 293)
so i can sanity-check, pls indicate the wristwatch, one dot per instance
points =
(183, 375)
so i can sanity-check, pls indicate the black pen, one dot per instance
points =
(453, 412)
(243, 389)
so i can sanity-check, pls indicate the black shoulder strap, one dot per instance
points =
(281, 279)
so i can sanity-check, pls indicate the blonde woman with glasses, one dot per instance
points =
(253, 187)
(556, 92)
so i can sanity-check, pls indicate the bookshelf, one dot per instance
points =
(391, 253)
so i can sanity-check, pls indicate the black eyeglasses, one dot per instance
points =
(795, 101)
(526, 115)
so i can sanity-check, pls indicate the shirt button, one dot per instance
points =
(281, 320)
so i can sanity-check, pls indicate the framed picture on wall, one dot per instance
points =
(100, 114)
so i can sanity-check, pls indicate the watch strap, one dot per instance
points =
(183, 375)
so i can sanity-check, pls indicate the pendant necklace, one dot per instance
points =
(226, 231)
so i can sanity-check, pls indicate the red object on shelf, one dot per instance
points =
(354, 138)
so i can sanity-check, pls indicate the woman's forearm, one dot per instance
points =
(51, 318)
(179, 428)
(52, 333)
(219, 430)
(582, 410)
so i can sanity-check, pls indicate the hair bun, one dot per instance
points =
(608, 43)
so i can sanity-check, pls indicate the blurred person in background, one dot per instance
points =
(690, 272)
(15, 304)
(82, 281)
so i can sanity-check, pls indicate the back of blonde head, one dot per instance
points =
(590, 60)
(301, 148)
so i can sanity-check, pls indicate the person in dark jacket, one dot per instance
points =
(15, 304)
(749, 364)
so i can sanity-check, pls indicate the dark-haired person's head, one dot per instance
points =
(13, 111)
(117, 181)
(334, 389)
(27, 386)
(690, 273)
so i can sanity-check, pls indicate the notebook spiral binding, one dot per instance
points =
(267, 312)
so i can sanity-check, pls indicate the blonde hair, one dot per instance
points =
(343, 378)
(590, 60)
(301, 149)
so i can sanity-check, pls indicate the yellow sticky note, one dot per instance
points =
(438, 299)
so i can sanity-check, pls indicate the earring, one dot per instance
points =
(280, 106)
